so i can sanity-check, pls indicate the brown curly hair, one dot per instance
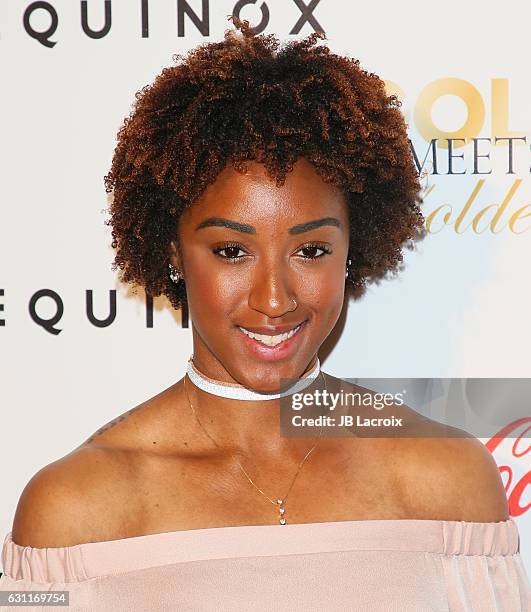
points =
(244, 98)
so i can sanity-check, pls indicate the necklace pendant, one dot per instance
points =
(281, 511)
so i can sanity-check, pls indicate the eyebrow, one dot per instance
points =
(249, 229)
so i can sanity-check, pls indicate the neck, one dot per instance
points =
(239, 392)
(246, 426)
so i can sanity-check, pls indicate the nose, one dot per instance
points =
(272, 290)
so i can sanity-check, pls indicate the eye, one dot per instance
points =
(231, 248)
(312, 248)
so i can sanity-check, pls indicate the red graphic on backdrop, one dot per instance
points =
(514, 497)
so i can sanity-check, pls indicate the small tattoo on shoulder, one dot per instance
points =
(112, 423)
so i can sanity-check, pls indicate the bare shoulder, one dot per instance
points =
(441, 472)
(451, 475)
(93, 493)
(74, 500)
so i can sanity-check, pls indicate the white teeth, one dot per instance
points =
(271, 340)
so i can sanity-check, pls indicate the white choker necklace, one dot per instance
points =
(239, 392)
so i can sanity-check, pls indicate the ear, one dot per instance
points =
(175, 256)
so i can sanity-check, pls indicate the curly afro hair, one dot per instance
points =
(242, 99)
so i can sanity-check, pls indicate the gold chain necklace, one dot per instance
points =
(279, 502)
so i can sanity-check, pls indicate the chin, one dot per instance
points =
(272, 385)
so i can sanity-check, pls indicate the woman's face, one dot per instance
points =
(266, 259)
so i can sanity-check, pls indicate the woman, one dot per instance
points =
(252, 186)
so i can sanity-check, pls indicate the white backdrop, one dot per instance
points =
(461, 308)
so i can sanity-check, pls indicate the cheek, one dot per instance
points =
(211, 292)
(325, 289)
(325, 294)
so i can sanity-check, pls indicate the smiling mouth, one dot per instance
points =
(272, 340)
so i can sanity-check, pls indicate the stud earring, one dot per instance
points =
(175, 275)
(349, 263)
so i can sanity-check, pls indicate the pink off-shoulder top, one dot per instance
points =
(405, 565)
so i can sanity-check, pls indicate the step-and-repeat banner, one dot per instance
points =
(77, 348)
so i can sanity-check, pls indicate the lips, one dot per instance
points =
(273, 346)
(271, 339)
(271, 330)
